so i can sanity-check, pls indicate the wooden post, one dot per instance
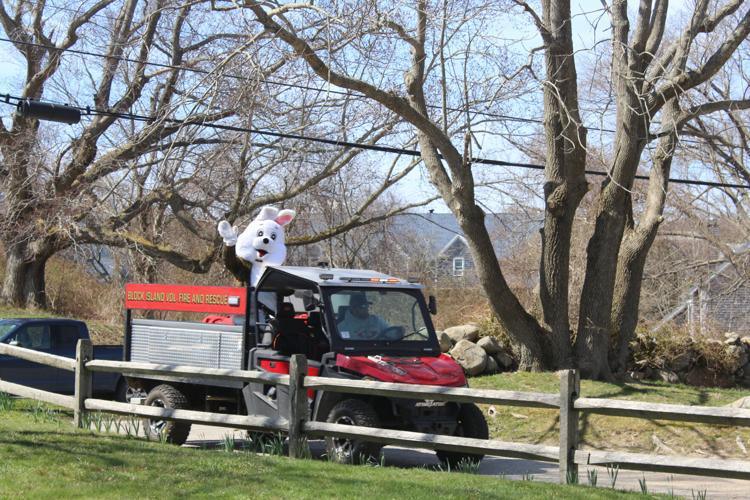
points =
(570, 388)
(298, 406)
(83, 386)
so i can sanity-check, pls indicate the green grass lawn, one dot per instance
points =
(531, 425)
(42, 456)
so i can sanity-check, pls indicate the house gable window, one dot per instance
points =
(458, 266)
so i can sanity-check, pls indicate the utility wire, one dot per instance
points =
(269, 81)
(499, 116)
(355, 145)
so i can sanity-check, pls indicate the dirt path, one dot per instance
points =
(677, 484)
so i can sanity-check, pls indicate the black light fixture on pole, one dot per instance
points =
(29, 108)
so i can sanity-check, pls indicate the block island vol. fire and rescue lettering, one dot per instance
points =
(183, 298)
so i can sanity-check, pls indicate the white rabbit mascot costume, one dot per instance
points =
(261, 244)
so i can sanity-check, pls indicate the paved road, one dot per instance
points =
(511, 468)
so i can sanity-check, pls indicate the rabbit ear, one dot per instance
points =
(285, 217)
(267, 213)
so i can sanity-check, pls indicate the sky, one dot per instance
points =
(590, 26)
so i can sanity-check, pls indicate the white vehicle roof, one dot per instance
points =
(325, 276)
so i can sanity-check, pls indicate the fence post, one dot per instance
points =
(570, 388)
(83, 386)
(299, 408)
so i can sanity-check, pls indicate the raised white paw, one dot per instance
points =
(228, 233)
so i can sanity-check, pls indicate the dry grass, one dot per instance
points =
(458, 306)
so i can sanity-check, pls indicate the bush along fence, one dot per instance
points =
(300, 428)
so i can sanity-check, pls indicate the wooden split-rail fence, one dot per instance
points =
(299, 427)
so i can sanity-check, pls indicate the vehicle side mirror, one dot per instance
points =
(432, 305)
(13, 342)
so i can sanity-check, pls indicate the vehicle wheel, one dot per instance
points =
(166, 396)
(124, 393)
(471, 424)
(350, 451)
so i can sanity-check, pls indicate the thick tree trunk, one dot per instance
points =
(24, 284)
(565, 181)
(528, 337)
(594, 327)
(16, 269)
(627, 292)
(637, 242)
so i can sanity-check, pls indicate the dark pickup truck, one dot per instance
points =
(59, 337)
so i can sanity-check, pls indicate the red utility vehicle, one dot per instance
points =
(353, 324)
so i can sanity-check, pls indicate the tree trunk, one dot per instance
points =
(637, 242)
(16, 269)
(528, 337)
(565, 181)
(24, 284)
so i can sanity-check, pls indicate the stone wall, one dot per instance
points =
(674, 358)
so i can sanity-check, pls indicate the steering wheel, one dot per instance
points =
(393, 332)
(367, 334)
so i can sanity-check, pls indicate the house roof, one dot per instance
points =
(721, 267)
(441, 230)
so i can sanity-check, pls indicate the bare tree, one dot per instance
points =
(650, 74)
(50, 188)
(144, 172)
(449, 168)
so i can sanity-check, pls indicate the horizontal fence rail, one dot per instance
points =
(434, 392)
(248, 422)
(299, 427)
(38, 394)
(206, 375)
(42, 358)
(435, 441)
(736, 469)
(662, 411)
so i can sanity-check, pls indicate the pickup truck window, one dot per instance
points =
(34, 337)
(6, 327)
(65, 336)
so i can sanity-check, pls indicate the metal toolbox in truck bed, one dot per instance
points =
(187, 344)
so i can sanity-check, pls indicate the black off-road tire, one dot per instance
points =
(123, 392)
(167, 396)
(471, 424)
(350, 451)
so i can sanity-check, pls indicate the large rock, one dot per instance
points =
(682, 361)
(471, 357)
(491, 365)
(490, 345)
(445, 341)
(703, 377)
(731, 338)
(737, 357)
(504, 360)
(463, 332)
(668, 376)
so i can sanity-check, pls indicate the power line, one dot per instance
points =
(269, 81)
(356, 145)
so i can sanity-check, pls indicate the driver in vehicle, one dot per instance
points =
(358, 323)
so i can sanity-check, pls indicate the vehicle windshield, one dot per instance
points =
(6, 327)
(378, 315)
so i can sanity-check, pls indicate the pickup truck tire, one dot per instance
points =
(351, 451)
(122, 392)
(471, 424)
(167, 396)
